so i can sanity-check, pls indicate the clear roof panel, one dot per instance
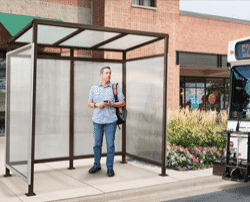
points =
(128, 41)
(89, 38)
(51, 34)
(26, 37)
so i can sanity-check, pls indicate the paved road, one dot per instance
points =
(241, 194)
(211, 188)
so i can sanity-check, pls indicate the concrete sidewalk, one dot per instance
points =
(53, 181)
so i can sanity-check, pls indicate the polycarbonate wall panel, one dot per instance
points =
(19, 111)
(87, 75)
(52, 109)
(144, 103)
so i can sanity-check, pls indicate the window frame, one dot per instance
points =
(142, 4)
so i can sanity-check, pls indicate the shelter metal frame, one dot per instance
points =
(30, 33)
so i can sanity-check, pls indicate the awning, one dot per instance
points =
(14, 23)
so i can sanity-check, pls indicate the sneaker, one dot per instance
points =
(94, 169)
(110, 172)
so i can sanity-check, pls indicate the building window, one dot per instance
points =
(148, 3)
(204, 93)
(200, 60)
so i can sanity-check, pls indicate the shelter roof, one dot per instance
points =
(81, 36)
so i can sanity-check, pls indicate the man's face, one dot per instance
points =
(106, 76)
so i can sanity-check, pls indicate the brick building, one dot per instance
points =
(197, 42)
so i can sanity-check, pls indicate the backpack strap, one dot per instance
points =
(115, 94)
(115, 90)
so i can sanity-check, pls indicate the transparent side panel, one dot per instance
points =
(145, 108)
(87, 75)
(19, 116)
(52, 109)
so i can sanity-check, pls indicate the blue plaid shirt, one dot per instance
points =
(98, 94)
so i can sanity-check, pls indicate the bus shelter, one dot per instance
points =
(47, 118)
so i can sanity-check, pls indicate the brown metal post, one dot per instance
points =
(7, 120)
(165, 100)
(71, 111)
(7, 173)
(124, 92)
(31, 185)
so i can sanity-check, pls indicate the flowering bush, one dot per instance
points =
(195, 128)
(181, 158)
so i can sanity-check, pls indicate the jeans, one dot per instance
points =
(109, 130)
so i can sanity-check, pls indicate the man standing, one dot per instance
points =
(101, 98)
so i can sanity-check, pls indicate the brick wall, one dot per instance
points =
(98, 19)
(185, 33)
(121, 14)
(77, 11)
(76, 3)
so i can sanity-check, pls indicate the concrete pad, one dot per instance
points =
(2, 139)
(49, 186)
(54, 181)
(42, 168)
(65, 164)
(2, 159)
(152, 168)
(131, 184)
(6, 195)
(80, 162)
(126, 177)
(180, 175)
(202, 172)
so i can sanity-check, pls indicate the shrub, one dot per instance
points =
(195, 128)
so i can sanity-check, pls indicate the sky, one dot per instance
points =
(226, 8)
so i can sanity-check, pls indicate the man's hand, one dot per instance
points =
(109, 103)
(102, 105)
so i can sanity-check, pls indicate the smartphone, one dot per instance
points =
(106, 101)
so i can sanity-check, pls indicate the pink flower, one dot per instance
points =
(195, 160)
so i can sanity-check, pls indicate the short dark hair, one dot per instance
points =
(102, 69)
